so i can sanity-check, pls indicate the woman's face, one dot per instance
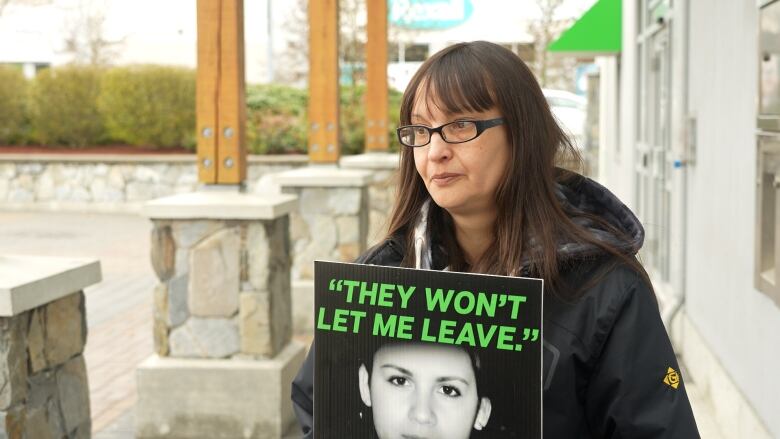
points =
(423, 391)
(461, 178)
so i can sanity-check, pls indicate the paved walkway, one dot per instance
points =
(119, 309)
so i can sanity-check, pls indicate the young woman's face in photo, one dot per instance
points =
(461, 178)
(423, 391)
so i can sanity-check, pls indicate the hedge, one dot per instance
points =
(276, 119)
(13, 112)
(63, 107)
(149, 105)
(155, 106)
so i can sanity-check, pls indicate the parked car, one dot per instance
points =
(570, 110)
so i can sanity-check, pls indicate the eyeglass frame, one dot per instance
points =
(481, 125)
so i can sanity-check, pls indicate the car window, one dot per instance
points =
(563, 102)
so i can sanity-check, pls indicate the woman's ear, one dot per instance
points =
(483, 413)
(365, 390)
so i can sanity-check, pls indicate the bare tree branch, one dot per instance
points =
(544, 31)
(85, 37)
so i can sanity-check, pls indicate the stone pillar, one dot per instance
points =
(331, 224)
(222, 318)
(44, 391)
(383, 167)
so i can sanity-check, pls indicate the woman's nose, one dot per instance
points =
(421, 411)
(438, 149)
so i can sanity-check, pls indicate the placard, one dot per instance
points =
(404, 353)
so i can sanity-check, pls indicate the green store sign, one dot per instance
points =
(429, 14)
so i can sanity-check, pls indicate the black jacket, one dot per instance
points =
(609, 368)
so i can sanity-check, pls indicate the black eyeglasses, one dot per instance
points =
(459, 131)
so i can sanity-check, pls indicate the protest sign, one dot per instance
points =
(404, 353)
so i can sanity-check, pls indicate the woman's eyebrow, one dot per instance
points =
(398, 368)
(447, 379)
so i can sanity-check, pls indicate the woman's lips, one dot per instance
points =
(445, 178)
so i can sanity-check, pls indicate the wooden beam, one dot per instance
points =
(232, 96)
(323, 136)
(376, 76)
(207, 89)
(220, 101)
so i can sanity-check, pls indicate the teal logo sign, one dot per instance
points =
(429, 14)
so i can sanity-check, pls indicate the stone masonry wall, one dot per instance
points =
(43, 378)
(381, 194)
(330, 224)
(114, 182)
(224, 288)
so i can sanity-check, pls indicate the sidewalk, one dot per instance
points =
(119, 309)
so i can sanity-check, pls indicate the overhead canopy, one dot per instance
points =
(597, 32)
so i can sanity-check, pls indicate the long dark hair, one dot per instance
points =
(476, 77)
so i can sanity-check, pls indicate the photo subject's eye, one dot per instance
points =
(450, 391)
(398, 381)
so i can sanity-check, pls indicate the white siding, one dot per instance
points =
(740, 325)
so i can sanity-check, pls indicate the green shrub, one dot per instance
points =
(393, 116)
(149, 105)
(63, 106)
(353, 119)
(155, 106)
(276, 119)
(14, 122)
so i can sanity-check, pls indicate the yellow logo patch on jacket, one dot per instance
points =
(672, 378)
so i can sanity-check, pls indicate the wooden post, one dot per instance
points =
(324, 144)
(221, 109)
(207, 90)
(232, 95)
(376, 76)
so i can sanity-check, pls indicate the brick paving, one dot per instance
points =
(119, 309)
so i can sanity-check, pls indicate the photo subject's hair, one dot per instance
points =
(476, 77)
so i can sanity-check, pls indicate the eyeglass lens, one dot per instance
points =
(455, 132)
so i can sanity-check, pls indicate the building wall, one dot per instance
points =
(617, 173)
(740, 324)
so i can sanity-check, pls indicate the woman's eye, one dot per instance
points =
(461, 125)
(398, 381)
(450, 391)
(419, 131)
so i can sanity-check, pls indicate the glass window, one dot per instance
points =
(564, 103)
(393, 52)
(416, 52)
(767, 223)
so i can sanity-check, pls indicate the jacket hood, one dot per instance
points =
(577, 195)
(581, 194)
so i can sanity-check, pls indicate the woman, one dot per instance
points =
(424, 390)
(479, 192)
